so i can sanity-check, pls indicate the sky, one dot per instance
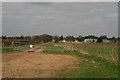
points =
(60, 0)
(60, 18)
(0, 19)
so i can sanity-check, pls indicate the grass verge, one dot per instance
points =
(91, 66)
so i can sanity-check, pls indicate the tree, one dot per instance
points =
(61, 38)
(4, 37)
(70, 38)
(113, 38)
(42, 38)
(21, 37)
(45, 38)
(104, 37)
(99, 40)
(80, 38)
(90, 36)
(56, 39)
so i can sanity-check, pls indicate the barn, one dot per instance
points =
(106, 40)
(90, 40)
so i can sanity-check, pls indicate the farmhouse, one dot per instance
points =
(90, 40)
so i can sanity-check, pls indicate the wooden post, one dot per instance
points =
(12, 44)
(3, 44)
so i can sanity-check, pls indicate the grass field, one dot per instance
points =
(95, 60)
(7, 50)
(59, 50)
(99, 61)
(105, 51)
(15, 49)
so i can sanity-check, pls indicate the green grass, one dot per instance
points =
(59, 50)
(104, 66)
(88, 70)
(7, 50)
(15, 49)
(106, 52)
(21, 48)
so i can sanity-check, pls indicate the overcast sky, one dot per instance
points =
(60, 18)
(60, 0)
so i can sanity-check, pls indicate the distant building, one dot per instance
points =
(53, 40)
(106, 41)
(63, 40)
(90, 40)
(76, 41)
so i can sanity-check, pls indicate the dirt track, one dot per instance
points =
(37, 65)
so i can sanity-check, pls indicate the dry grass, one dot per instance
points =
(36, 65)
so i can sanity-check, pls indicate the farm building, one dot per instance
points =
(106, 41)
(76, 41)
(90, 40)
(63, 40)
(53, 40)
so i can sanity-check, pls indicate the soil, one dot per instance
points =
(37, 65)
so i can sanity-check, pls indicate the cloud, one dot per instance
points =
(29, 18)
(0, 18)
(60, 0)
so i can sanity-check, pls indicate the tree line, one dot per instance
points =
(47, 38)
